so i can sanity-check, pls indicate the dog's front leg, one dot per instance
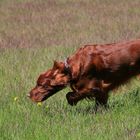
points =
(74, 97)
(101, 99)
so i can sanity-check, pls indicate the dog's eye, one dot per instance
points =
(44, 86)
(39, 85)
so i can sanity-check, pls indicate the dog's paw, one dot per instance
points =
(71, 98)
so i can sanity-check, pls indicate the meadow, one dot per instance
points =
(34, 33)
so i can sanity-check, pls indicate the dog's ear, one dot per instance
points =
(60, 80)
(57, 83)
(58, 65)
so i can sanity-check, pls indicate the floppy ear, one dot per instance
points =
(60, 79)
(58, 82)
(55, 64)
(55, 83)
(58, 65)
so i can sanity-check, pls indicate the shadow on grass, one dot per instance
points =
(118, 102)
(129, 99)
(83, 108)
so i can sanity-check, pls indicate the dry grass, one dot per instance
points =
(44, 23)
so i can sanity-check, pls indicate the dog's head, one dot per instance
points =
(50, 82)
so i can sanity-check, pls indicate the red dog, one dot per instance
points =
(91, 72)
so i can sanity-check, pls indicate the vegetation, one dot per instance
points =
(32, 35)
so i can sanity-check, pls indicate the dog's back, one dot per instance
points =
(113, 63)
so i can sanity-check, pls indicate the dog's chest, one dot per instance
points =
(85, 83)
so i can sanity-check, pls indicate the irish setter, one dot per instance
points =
(91, 72)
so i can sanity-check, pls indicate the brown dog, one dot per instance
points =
(91, 72)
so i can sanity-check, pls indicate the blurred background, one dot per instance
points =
(67, 23)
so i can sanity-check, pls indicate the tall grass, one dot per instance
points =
(32, 35)
(55, 119)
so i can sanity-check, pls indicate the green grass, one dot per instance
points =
(55, 119)
(33, 33)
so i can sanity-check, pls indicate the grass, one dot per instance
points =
(32, 35)
(55, 119)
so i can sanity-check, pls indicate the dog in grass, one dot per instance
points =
(91, 72)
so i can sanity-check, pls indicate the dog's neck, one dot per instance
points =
(66, 64)
(68, 69)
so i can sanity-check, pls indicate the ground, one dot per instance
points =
(35, 33)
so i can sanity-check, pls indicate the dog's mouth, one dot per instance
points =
(37, 96)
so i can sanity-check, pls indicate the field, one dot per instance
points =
(34, 33)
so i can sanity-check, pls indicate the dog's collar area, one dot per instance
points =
(67, 68)
(66, 64)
